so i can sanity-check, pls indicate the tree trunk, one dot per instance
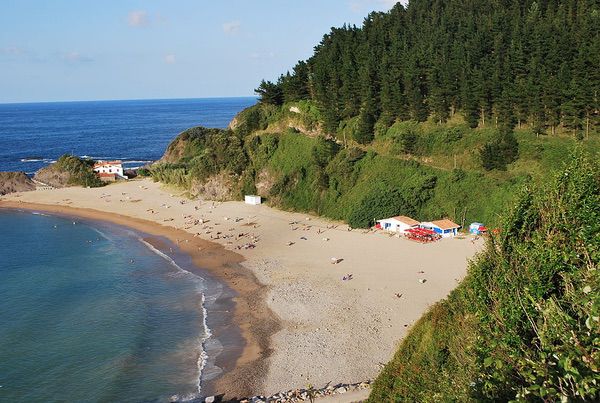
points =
(587, 125)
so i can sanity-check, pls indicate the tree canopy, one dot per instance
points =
(507, 62)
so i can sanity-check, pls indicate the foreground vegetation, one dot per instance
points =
(524, 324)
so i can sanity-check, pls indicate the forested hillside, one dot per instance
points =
(437, 109)
(502, 62)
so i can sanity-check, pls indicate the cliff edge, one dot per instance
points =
(11, 182)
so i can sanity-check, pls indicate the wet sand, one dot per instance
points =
(244, 366)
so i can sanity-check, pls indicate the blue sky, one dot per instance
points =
(118, 49)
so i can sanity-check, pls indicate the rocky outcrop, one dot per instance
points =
(304, 395)
(234, 123)
(53, 176)
(174, 151)
(265, 182)
(217, 187)
(11, 182)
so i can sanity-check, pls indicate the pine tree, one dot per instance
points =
(270, 93)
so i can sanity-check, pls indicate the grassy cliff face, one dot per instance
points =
(15, 182)
(524, 324)
(425, 170)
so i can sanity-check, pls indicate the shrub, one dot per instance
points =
(81, 171)
(500, 152)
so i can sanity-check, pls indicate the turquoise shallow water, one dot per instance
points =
(88, 312)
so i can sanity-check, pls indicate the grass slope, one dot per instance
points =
(425, 170)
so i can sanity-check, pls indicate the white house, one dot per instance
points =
(252, 199)
(397, 224)
(109, 169)
(445, 228)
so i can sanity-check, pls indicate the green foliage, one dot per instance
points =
(81, 171)
(198, 153)
(387, 200)
(498, 63)
(315, 175)
(323, 151)
(524, 323)
(255, 118)
(364, 128)
(270, 93)
(500, 152)
(405, 136)
(143, 172)
(173, 174)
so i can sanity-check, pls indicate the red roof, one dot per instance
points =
(106, 175)
(105, 163)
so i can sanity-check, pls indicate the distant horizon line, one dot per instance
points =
(125, 99)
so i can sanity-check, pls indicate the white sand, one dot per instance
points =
(333, 330)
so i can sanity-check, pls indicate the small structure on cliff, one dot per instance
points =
(252, 199)
(109, 171)
(445, 228)
(397, 224)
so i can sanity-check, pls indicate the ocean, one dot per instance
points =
(33, 135)
(90, 311)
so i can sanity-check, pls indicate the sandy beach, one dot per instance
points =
(302, 322)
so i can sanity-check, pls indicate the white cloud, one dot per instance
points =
(75, 57)
(12, 50)
(262, 56)
(170, 59)
(138, 18)
(231, 27)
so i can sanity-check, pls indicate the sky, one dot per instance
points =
(66, 50)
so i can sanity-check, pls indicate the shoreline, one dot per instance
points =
(255, 322)
(224, 345)
(311, 323)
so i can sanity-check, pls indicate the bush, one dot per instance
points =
(406, 137)
(500, 152)
(381, 203)
(81, 171)
(145, 172)
(364, 128)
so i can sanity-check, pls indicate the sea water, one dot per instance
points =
(35, 134)
(90, 312)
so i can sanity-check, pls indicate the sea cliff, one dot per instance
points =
(11, 182)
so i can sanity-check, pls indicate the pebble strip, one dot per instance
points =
(301, 395)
